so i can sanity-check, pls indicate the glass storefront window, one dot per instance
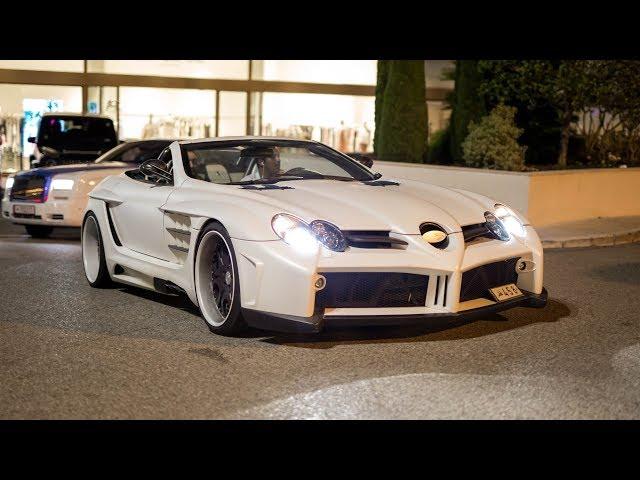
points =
(44, 65)
(341, 121)
(104, 101)
(166, 113)
(223, 69)
(21, 107)
(233, 114)
(355, 72)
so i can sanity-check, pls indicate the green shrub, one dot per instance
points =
(493, 142)
(467, 104)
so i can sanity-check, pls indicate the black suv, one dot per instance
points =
(65, 138)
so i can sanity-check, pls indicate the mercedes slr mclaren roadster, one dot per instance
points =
(291, 235)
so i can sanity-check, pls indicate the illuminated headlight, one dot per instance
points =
(9, 184)
(61, 184)
(295, 232)
(329, 235)
(509, 220)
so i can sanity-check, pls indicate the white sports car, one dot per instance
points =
(48, 197)
(292, 235)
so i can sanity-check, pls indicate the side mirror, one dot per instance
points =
(31, 139)
(156, 168)
(366, 161)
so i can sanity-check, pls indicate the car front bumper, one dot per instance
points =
(319, 321)
(65, 212)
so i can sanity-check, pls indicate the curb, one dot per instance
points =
(603, 240)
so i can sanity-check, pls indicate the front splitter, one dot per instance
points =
(316, 323)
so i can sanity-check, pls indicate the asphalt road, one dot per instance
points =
(70, 351)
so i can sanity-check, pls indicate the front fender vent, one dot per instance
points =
(372, 239)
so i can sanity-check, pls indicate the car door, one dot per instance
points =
(138, 219)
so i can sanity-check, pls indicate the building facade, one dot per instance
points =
(327, 100)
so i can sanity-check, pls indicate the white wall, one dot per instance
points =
(509, 187)
(545, 198)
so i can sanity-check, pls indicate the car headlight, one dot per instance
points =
(61, 184)
(329, 235)
(305, 238)
(9, 183)
(509, 219)
(295, 232)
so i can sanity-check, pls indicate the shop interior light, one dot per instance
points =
(295, 232)
(509, 220)
(61, 184)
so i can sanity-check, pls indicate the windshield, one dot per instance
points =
(77, 133)
(268, 161)
(135, 152)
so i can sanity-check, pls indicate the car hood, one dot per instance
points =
(359, 206)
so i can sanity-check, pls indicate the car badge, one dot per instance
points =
(434, 236)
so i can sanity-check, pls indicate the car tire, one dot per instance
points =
(38, 231)
(217, 282)
(93, 258)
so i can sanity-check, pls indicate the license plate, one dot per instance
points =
(24, 209)
(506, 292)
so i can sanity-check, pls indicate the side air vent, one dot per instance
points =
(114, 234)
(372, 239)
(478, 230)
(435, 235)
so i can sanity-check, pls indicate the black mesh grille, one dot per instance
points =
(28, 188)
(372, 289)
(477, 282)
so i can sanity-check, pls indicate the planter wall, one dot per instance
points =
(543, 197)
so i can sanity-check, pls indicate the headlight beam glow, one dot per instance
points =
(510, 221)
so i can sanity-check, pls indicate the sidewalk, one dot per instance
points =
(597, 232)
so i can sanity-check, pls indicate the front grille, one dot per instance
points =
(477, 282)
(372, 239)
(372, 289)
(29, 188)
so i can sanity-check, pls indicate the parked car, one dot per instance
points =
(66, 138)
(44, 198)
(293, 235)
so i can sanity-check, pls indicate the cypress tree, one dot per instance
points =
(401, 111)
(381, 83)
(467, 104)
